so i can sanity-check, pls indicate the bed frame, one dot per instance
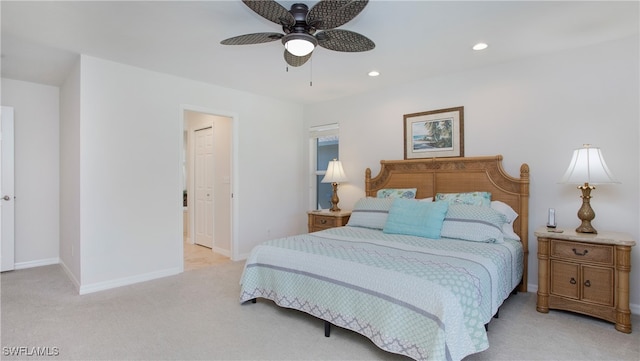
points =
(464, 174)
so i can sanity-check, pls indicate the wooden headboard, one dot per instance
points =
(464, 174)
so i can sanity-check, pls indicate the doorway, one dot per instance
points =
(207, 168)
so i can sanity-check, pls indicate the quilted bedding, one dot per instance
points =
(426, 299)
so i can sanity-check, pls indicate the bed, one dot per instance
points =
(429, 295)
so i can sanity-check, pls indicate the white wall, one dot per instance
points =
(533, 111)
(36, 171)
(70, 247)
(130, 170)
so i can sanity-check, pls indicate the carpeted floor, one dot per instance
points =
(196, 316)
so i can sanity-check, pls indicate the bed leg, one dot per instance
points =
(327, 329)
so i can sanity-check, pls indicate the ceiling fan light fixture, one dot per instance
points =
(299, 44)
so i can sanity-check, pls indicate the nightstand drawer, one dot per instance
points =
(324, 221)
(321, 220)
(582, 251)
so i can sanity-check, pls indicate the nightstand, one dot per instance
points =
(319, 220)
(585, 273)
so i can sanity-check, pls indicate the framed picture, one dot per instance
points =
(436, 133)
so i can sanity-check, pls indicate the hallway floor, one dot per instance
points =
(196, 257)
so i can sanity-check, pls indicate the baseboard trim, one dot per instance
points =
(222, 251)
(70, 274)
(36, 263)
(125, 281)
(241, 257)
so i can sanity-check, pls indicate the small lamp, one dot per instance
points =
(588, 166)
(335, 174)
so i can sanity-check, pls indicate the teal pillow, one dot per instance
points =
(415, 218)
(408, 193)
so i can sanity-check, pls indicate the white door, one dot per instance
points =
(203, 176)
(6, 192)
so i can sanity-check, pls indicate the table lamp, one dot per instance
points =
(335, 174)
(587, 166)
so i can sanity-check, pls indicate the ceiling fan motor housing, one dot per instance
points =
(299, 12)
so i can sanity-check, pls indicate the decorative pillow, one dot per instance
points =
(370, 213)
(510, 216)
(470, 198)
(408, 193)
(473, 223)
(415, 218)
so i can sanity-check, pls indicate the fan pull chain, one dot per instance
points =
(311, 73)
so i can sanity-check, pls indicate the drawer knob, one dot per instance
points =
(580, 254)
(572, 281)
(587, 283)
(323, 221)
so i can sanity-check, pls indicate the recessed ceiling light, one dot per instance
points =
(480, 46)
(374, 73)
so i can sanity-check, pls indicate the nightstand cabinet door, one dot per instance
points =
(597, 285)
(565, 279)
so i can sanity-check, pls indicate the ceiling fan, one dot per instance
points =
(300, 25)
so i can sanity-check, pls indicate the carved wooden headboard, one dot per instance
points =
(464, 174)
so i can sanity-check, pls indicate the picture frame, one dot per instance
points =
(435, 133)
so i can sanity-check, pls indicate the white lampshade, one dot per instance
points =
(335, 173)
(588, 166)
(299, 44)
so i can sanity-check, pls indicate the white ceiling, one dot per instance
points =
(414, 39)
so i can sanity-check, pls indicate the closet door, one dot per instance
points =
(203, 171)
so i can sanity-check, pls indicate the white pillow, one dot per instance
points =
(510, 215)
(473, 223)
(370, 212)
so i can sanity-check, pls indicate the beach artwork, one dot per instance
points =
(435, 133)
(432, 135)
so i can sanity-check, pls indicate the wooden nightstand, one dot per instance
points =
(319, 220)
(585, 273)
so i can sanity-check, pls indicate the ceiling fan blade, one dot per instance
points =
(271, 10)
(256, 38)
(344, 40)
(329, 14)
(296, 60)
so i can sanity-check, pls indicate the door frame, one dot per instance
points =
(234, 173)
